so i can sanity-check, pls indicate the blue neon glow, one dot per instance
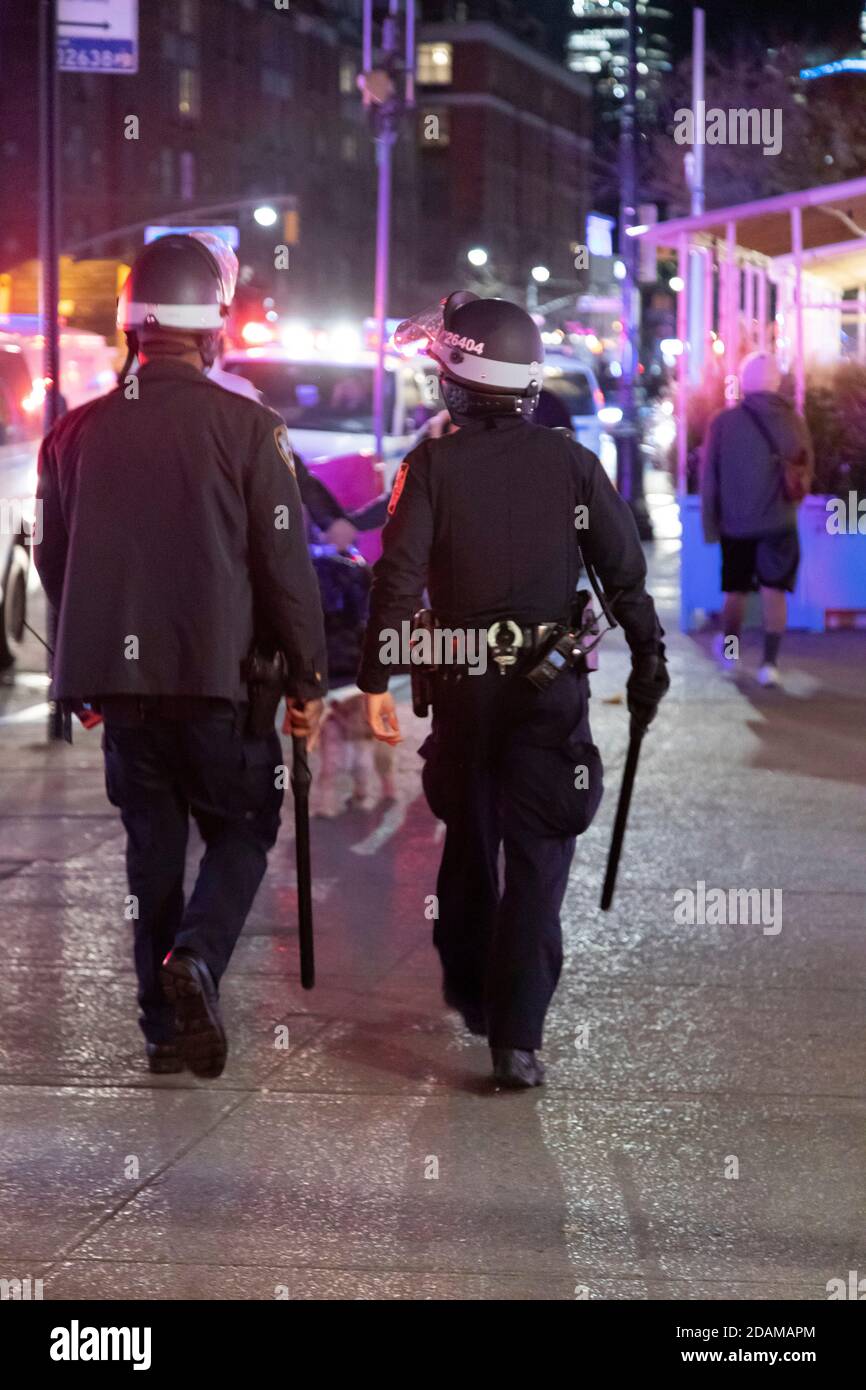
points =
(827, 69)
(229, 234)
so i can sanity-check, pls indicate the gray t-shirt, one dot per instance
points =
(741, 483)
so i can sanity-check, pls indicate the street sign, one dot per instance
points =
(228, 234)
(97, 36)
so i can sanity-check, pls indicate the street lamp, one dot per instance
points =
(539, 275)
(629, 459)
(265, 216)
(477, 256)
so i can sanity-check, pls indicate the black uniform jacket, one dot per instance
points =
(492, 520)
(171, 530)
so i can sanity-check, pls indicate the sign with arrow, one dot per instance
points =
(97, 36)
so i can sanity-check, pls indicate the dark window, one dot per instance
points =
(314, 396)
(574, 391)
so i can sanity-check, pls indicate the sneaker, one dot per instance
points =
(769, 676)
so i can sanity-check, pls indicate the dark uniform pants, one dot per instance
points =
(158, 772)
(508, 766)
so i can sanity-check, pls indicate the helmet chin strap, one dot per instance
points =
(131, 354)
(465, 405)
(209, 347)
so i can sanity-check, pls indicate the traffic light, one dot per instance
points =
(291, 227)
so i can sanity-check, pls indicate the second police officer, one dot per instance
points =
(173, 543)
(494, 521)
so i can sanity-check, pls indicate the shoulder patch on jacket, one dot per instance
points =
(284, 448)
(399, 484)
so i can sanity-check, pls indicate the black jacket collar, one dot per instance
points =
(164, 368)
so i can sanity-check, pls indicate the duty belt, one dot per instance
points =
(508, 640)
(135, 709)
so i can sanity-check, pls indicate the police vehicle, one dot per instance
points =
(321, 382)
(86, 371)
(577, 387)
(21, 404)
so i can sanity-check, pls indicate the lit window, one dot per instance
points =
(348, 77)
(188, 100)
(187, 175)
(349, 148)
(166, 171)
(435, 64)
(187, 19)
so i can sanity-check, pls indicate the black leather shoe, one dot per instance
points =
(470, 1011)
(163, 1058)
(515, 1070)
(201, 1038)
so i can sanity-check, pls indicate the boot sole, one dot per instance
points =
(516, 1083)
(164, 1066)
(201, 1037)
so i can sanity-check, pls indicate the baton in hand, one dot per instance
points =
(636, 734)
(301, 778)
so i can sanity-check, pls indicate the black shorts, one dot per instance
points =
(770, 562)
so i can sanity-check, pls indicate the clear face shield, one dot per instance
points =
(226, 260)
(422, 330)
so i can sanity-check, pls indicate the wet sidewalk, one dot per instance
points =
(701, 1133)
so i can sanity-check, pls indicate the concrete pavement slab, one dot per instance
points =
(353, 1148)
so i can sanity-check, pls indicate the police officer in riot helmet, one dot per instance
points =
(496, 521)
(173, 549)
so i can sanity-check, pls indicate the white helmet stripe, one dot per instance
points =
(481, 371)
(133, 314)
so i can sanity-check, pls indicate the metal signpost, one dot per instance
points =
(74, 36)
(389, 92)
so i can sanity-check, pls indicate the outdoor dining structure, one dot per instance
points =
(785, 275)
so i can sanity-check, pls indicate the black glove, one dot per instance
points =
(648, 682)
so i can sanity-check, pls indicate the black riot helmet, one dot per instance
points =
(489, 353)
(180, 284)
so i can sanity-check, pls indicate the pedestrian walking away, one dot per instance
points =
(756, 469)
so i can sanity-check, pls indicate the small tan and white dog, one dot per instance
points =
(355, 770)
